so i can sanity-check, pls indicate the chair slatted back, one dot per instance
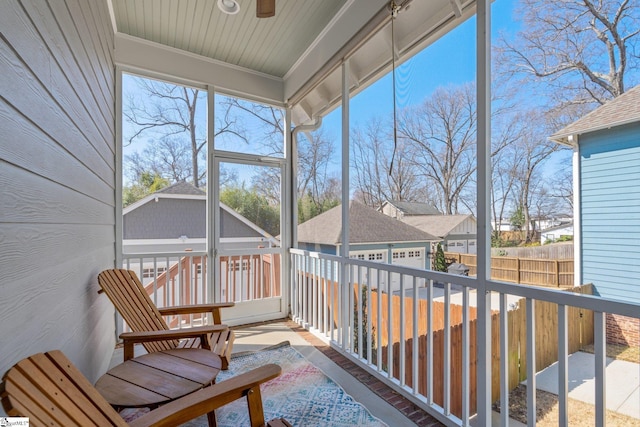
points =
(48, 389)
(127, 294)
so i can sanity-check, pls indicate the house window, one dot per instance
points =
(361, 256)
(395, 255)
(379, 257)
(403, 254)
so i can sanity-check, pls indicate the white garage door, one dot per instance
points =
(408, 257)
(457, 246)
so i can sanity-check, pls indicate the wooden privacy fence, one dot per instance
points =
(527, 271)
(580, 332)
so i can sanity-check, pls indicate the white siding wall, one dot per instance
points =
(57, 172)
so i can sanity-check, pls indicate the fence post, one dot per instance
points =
(518, 270)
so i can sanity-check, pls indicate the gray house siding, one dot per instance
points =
(173, 218)
(57, 180)
(610, 164)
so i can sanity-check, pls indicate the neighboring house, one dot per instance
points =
(543, 224)
(373, 236)
(504, 225)
(458, 232)
(606, 145)
(399, 210)
(174, 219)
(554, 233)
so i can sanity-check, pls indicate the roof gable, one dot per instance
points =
(366, 225)
(181, 210)
(414, 208)
(619, 111)
(438, 225)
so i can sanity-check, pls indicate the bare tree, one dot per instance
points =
(315, 179)
(375, 178)
(532, 149)
(442, 134)
(579, 50)
(171, 115)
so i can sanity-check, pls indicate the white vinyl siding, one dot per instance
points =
(610, 164)
(57, 180)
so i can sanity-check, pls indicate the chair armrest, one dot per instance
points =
(131, 338)
(191, 309)
(213, 397)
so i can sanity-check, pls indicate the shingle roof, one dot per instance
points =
(619, 111)
(182, 188)
(366, 225)
(438, 225)
(415, 208)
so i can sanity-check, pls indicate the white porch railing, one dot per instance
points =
(423, 345)
(180, 278)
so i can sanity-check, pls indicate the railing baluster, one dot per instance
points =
(600, 347)
(323, 296)
(402, 334)
(358, 296)
(447, 349)
(430, 342)
(531, 363)
(465, 356)
(369, 320)
(563, 365)
(504, 361)
(379, 320)
(389, 326)
(314, 294)
(415, 355)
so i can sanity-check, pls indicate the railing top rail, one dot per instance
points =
(560, 297)
(556, 296)
(162, 254)
(248, 251)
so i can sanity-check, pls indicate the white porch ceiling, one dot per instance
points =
(292, 59)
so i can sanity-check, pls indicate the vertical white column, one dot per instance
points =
(483, 83)
(344, 283)
(213, 288)
(289, 211)
(118, 190)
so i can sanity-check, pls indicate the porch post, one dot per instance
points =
(344, 282)
(483, 85)
(212, 190)
(290, 220)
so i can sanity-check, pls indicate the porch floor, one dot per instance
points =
(381, 401)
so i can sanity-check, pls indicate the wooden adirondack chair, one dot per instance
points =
(51, 391)
(127, 294)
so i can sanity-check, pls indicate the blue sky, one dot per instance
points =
(449, 61)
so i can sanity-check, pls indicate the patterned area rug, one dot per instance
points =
(303, 395)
